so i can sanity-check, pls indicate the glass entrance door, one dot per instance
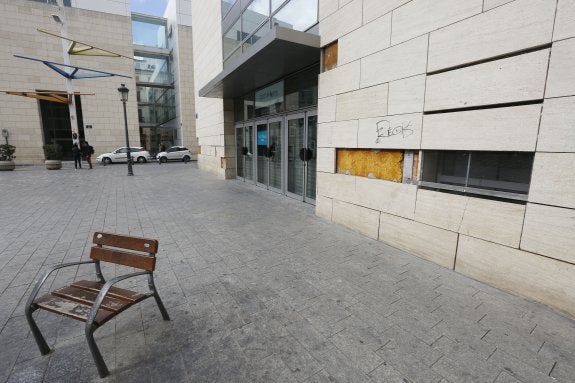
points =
(301, 156)
(269, 154)
(244, 152)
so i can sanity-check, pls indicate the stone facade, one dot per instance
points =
(486, 61)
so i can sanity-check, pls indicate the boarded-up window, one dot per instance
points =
(330, 56)
(373, 163)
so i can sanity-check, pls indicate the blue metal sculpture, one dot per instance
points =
(74, 73)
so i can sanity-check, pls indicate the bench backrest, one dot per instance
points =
(125, 250)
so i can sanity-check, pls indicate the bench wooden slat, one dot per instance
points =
(146, 245)
(71, 309)
(120, 257)
(88, 298)
(115, 292)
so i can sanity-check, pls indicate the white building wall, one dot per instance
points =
(399, 59)
(214, 123)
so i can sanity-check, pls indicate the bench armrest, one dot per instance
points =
(41, 282)
(104, 291)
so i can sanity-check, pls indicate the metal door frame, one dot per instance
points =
(308, 114)
(293, 116)
(239, 156)
(256, 122)
(282, 187)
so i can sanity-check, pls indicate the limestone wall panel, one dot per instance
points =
(487, 35)
(500, 129)
(358, 218)
(561, 80)
(402, 131)
(368, 39)
(556, 133)
(513, 79)
(406, 95)
(553, 179)
(539, 278)
(362, 103)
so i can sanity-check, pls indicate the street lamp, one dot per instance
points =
(124, 97)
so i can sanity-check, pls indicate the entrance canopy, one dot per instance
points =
(282, 51)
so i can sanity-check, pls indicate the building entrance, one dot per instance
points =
(279, 154)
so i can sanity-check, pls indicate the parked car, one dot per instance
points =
(138, 154)
(175, 153)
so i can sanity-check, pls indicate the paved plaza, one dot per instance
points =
(258, 288)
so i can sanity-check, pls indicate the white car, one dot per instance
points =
(175, 153)
(138, 154)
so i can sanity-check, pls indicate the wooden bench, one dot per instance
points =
(96, 302)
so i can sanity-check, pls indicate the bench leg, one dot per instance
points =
(161, 306)
(38, 337)
(96, 355)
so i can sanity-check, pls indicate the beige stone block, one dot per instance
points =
(402, 131)
(419, 17)
(341, 22)
(358, 218)
(561, 79)
(539, 278)
(529, 22)
(341, 134)
(556, 133)
(493, 221)
(553, 179)
(428, 242)
(344, 78)
(512, 79)
(372, 9)
(386, 196)
(407, 95)
(401, 61)
(326, 109)
(327, 7)
(323, 207)
(326, 160)
(565, 20)
(368, 39)
(500, 129)
(362, 103)
(337, 186)
(439, 209)
(489, 4)
(550, 231)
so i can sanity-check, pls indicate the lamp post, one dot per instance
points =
(124, 97)
(71, 101)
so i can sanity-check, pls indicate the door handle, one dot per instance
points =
(308, 154)
(302, 154)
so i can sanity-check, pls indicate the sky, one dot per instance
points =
(149, 7)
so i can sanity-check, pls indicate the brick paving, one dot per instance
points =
(259, 290)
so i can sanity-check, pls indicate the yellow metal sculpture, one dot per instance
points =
(60, 97)
(80, 48)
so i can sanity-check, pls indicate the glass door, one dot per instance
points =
(275, 154)
(244, 152)
(301, 130)
(311, 156)
(262, 153)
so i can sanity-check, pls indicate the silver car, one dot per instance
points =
(138, 154)
(175, 153)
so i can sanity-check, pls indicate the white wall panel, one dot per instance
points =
(402, 131)
(561, 80)
(513, 79)
(529, 22)
(553, 179)
(556, 133)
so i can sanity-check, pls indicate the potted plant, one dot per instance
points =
(7, 157)
(53, 155)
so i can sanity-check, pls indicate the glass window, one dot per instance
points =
(508, 172)
(255, 15)
(244, 107)
(301, 89)
(153, 68)
(232, 38)
(156, 105)
(276, 4)
(231, 58)
(256, 36)
(226, 6)
(149, 32)
(297, 14)
(505, 171)
(269, 100)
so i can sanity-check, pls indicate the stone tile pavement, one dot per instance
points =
(259, 290)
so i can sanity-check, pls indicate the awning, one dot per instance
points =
(280, 52)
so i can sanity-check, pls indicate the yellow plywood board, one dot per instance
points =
(380, 164)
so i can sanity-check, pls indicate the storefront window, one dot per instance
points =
(149, 31)
(270, 100)
(301, 89)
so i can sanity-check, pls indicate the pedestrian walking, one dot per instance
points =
(77, 156)
(87, 152)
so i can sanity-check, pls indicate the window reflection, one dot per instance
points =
(270, 99)
(149, 32)
(297, 14)
(256, 36)
(232, 38)
(153, 68)
(257, 13)
(226, 6)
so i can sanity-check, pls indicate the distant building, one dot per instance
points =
(160, 104)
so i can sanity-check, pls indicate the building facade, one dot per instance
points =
(160, 105)
(444, 128)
